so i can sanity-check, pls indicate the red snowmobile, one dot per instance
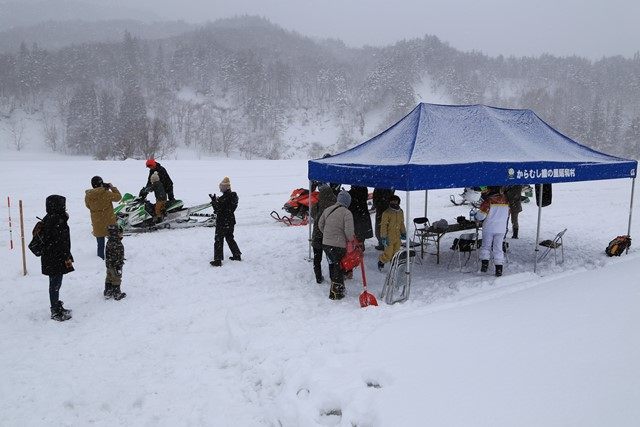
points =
(297, 207)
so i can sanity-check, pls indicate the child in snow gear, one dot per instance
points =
(114, 262)
(99, 201)
(56, 257)
(618, 245)
(166, 181)
(494, 212)
(326, 198)
(336, 226)
(392, 230)
(225, 207)
(381, 197)
(161, 196)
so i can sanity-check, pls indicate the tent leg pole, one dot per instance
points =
(633, 185)
(535, 252)
(406, 240)
(426, 203)
(310, 220)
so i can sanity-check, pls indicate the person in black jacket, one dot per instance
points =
(360, 211)
(326, 198)
(224, 207)
(163, 175)
(56, 258)
(381, 198)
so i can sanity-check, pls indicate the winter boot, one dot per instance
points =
(348, 275)
(515, 233)
(380, 265)
(216, 263)
(337, 291)
(498, 270)
(58, 315)
(64, 310)
(319, 279)
(484, 266)
(235, 258)
(108, 291)
(117, 294)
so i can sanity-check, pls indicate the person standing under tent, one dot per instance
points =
(99, 201)
(514, 196)
(381, 197)
(225, 207)
(165, 179)
(494, 214)
(56, 259)
(392, 231)
(326, 198)
(336, 225)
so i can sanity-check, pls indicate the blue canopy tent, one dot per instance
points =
(448, 146)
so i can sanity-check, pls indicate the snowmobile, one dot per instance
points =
(297, 207)
(136, 215)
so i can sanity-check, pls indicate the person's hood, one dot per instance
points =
(56, 204)
(326, 196)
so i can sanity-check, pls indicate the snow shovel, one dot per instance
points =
(366, 299)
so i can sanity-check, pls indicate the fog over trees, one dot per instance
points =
(235, 85)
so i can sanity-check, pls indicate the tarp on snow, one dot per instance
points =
(446, 146)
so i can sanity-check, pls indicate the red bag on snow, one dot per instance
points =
(353, 257)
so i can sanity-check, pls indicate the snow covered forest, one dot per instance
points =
(240, 86)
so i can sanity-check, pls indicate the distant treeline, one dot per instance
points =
(248, 79)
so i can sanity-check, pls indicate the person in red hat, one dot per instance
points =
(166, 181)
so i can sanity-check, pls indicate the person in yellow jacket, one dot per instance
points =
(392, 230)
(99, 201)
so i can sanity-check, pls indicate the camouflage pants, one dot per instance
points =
(113, 277)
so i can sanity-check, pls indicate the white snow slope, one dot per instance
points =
(259, 342)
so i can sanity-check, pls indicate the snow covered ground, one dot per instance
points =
(259, 342)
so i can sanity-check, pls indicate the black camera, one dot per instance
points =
(106, 185)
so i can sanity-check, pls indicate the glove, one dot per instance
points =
(143, 192)
(68, 263)
(352, 245)
(213, 197)
(403, 236)
(118, 272)
(385, 242)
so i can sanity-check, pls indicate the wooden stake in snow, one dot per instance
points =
(10, 229)
(24, 258)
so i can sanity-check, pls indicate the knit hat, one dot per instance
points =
(151, 163)
(154, 177)
(96, 182)
(344, 198)
(225, 184)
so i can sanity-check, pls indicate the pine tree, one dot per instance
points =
(82, 121)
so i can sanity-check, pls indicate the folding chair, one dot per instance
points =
(555, 244)
(464, 246)
(420, 234)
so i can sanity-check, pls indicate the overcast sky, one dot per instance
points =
(562, 27)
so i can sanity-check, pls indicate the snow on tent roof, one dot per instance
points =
(445, 146)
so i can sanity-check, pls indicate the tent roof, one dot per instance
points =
(444, 146)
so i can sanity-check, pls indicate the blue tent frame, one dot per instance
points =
(447, 146)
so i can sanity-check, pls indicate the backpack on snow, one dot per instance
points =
(618, 245)
(37, 241)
